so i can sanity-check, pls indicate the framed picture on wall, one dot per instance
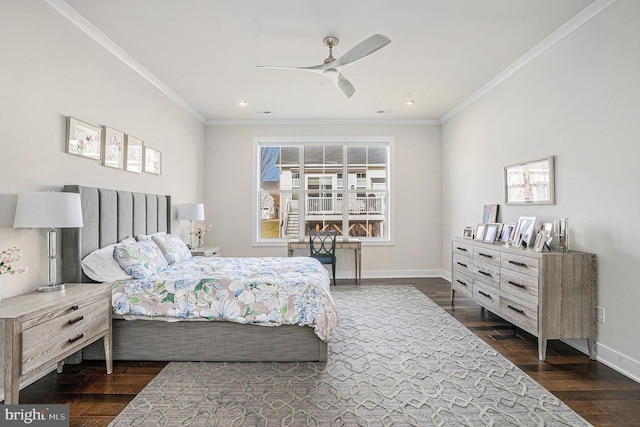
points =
(113, 148)
(133, 158)
(83, 139)
(152, 161)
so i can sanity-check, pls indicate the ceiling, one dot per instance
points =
(205, 52)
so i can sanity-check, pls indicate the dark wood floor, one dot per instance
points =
(599, 394)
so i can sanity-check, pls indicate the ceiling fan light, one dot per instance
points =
(409, 102)
(243, 103)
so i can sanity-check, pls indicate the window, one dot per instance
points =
(340, 186)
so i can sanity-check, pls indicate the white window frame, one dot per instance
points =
(284, 141)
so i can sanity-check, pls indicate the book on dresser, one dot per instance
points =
(551, 295)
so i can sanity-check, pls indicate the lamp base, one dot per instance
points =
(51, 288)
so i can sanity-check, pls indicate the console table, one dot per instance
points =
(551, 295)
(354, 244)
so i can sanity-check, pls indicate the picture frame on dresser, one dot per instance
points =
(506, 234)
(491, 233)
(467, 233)
(83, 139)
(480, 230)
(524, 231)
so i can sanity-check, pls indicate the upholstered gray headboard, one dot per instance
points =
(109, 216)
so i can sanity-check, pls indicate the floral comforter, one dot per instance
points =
(266, 291)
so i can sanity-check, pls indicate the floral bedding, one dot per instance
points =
(266, 291)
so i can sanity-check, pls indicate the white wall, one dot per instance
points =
(416, 183)
(51, 70)
(579, 102)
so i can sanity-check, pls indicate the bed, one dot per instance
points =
(190, 335)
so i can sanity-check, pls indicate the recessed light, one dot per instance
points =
(409, 102)
(383, 111)
(243, 103)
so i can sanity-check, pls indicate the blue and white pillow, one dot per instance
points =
(172, 247)
(141, 259)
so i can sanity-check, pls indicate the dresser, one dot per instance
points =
(40, 329)
(551, 295)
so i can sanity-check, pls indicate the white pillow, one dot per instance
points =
(101, 266)
(142, 237)
(172, 247)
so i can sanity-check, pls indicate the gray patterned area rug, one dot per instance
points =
(397, 359)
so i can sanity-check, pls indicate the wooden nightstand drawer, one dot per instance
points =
(56, 336)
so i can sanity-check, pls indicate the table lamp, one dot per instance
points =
(49, 209)
(191, 212)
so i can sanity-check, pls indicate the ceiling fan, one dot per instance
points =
(331, 66)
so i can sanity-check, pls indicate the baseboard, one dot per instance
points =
(610, 357)
(394, 274)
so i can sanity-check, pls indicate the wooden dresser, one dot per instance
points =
(39, 329)
(551, 295)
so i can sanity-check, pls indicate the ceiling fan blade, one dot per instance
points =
(316, 68)
(343, 84)
(359, 51)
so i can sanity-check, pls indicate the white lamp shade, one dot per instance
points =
(191, 211)
(48, 209)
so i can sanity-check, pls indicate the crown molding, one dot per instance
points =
(92, 31)
(336, 122)
(569, 27)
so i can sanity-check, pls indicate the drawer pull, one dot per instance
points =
(483, 294)
(461, 249)
(516, 284)
(485, 273)
(517, 310)
(461, 282)
(459, 263)
(76, 320)
(74, 307)
(519, 264)
(485, 255)
(72, 340)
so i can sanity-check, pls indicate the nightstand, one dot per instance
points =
(207, 251)
(39, 329)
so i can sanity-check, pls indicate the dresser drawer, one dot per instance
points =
(486, 255)
(486, 296)
(520, 314)
(55, 336)
(487, 273)
(462, 264)
(462, 283)
(465, 249)
(520, 263)
(519, 285)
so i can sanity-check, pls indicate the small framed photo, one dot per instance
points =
(480, 230)
(113, 148)
(152, 161)
(490, 214)
(491, 233)
(524, 231)
(83, 139)
(467, 233)
(133, 154)
(506, 234)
